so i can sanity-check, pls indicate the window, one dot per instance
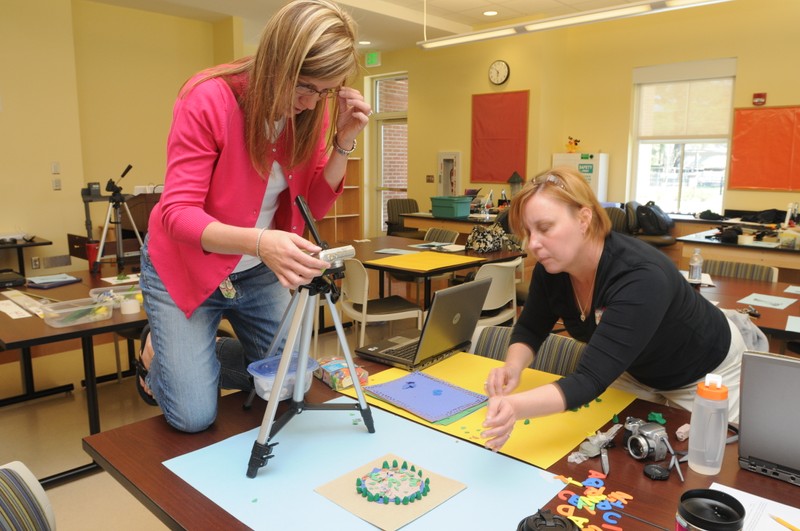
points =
(390, 119)
(682, 136)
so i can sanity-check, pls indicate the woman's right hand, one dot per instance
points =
(289, 257)
(502, 380)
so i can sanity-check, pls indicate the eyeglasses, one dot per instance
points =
(307, 90)
(549, 178)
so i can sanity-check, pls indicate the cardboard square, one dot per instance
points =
(342, 492)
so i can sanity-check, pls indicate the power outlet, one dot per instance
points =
(35, 263)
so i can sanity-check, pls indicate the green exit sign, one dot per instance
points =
(372, 59)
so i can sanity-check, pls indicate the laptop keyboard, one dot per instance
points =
(406, 352)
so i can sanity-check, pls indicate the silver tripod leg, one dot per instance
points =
(299, 319)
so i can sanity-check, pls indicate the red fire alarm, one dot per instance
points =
(759, 98)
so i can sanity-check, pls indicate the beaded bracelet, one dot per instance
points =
(341, 151)
(258, 243)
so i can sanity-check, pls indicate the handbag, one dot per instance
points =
(652, 220)
(485, 239)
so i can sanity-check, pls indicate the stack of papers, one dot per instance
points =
(51, 281)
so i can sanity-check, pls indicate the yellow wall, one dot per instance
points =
(581, 83)
(91, 86)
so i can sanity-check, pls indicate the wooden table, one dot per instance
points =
(367, 250)
(728, 291)
(32, 331)
(133, 455)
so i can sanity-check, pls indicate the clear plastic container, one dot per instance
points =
(264, 372)
(116, 294)
(709, 426)
(76, 312)
(696, 267)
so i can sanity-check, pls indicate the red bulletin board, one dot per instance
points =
(499, 136)
(765, 152)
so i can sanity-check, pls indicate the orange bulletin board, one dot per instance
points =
(499, 136)
(765, 152)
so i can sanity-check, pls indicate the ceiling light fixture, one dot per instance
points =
(597, 15)
(490, 13)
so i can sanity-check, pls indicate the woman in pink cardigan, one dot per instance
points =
(225, 239)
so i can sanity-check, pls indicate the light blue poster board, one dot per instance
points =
(317, 447)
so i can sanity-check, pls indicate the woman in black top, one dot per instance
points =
(647, 330)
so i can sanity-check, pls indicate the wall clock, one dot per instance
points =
(498, 72)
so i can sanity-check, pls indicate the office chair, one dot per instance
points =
(23, 502)
(634, 230)
(394, 221)
(723, 268)
(557, 355)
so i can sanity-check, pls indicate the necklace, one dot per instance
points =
(591, 295)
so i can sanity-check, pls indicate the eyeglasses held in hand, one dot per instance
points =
(307, 90)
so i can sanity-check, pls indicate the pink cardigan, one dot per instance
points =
(210, 178)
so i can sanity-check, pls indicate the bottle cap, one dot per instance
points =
(712, 388)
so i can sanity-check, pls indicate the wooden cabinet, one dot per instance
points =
(344, 221)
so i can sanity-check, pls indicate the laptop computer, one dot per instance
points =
(447, 330)
(769, 419)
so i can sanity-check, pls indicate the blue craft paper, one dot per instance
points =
(426, 396)
(317, 447)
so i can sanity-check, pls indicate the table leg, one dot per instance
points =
(21, 261)
(426, 301)
(91, 384)
(380, 283)
(29, 391)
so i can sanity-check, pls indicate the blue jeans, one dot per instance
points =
(186, 374)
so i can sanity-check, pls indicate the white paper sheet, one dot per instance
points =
(758, 511)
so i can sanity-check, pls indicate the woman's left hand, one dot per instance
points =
(500, 419)
(353, 116)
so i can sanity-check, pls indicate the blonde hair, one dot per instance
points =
(308, 38)
(567, 186)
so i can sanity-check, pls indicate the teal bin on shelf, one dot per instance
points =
(450, 206)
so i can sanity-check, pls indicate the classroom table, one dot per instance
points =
(366, 252)
(32, 331)
(728, 291)
(134, 454)
(20, 245)
(425, 220)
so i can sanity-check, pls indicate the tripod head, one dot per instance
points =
(114, 189)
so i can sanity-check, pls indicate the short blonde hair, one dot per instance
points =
(567, 186)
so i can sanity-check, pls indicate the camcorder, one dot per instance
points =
(645, 440)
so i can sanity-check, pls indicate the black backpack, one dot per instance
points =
(653, 220)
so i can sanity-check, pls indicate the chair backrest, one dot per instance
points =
(633, 216)
(557, 355)
(397, 206)
(355, 284)
(504, 279)
(435, 234)
(740, 270)
(23, 502)
(619, 219)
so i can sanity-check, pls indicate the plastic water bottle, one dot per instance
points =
(708, 428)
(696, 267)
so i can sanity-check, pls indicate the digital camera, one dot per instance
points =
(645, 439)
(337, 255)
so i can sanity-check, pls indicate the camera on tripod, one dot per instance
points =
(337, 256)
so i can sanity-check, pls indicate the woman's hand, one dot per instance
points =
(502, 380)
(353, 116)
(288, 256)
(500, 419)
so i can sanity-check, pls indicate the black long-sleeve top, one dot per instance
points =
(645, 319)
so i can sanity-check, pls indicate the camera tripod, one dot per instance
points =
(115, 204)
(297, 323)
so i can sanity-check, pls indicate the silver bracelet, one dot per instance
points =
(258, 243)
(341, 151)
